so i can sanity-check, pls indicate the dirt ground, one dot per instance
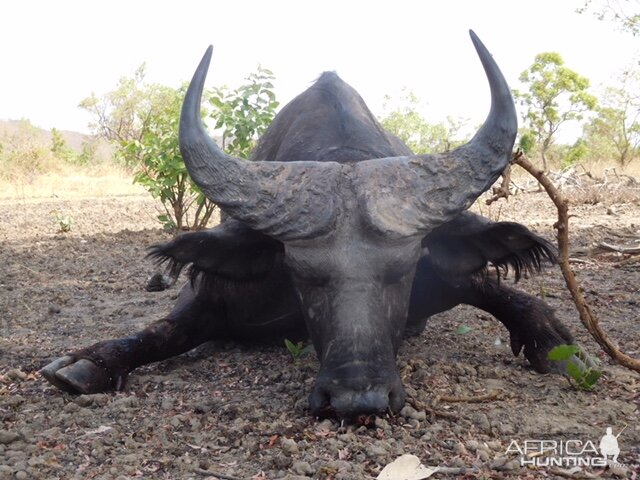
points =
(241, 410)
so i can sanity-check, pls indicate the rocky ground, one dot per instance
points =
(241, 410)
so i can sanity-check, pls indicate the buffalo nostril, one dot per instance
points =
(353, 397)
(319, 401)
(397, 398)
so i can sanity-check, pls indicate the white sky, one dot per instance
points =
(55, 53)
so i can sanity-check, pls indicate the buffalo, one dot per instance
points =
(336, 230)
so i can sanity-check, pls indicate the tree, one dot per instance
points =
(244, 113)
(142, 121)
(161, 169)
(59, 147)
(626, 13)
(555, 95)
(618, 118)
(406, 123)
(121, 115)
(25, 152)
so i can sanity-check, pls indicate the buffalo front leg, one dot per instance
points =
(532, 323)
(106, 365)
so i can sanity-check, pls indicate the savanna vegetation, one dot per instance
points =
(134, 126)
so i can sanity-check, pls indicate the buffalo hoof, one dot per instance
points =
(538, 331)
(537, 348)
(77, 376)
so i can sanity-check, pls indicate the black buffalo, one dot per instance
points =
(336, 229)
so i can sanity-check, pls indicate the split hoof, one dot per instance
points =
(81, 376)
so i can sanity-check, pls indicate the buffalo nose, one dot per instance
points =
(335, 398)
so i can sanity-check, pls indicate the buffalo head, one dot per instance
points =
(351, 227)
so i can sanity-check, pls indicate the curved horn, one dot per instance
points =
(410, 195)
(287, 200)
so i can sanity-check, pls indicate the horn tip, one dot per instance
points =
(476, 40)
(208, 52)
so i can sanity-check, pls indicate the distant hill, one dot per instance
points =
(22, 129)
(14, 127)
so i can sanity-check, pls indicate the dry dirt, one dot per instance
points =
(241, 410)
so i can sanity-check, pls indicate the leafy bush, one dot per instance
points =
(244, 113)
(160, 168)
(143, 121)
(406, 123)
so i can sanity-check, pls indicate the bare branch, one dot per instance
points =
(588, 318)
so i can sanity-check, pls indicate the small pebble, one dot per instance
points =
(16, 374)
(382, 424)
(289, 445)
(618, 470)
(498, 463)
(7, 437)
(483, 455)
(473, 445)
(302, 468)
(512, 465)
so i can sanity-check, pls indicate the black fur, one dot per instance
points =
(470, 245)
(234, 253)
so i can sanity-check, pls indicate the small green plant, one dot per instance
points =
(581, 367)
(543, 293)
(463, 330)
(63, 221)
(297, 350)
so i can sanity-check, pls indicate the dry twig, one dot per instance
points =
(211, 473)
(454, 470)
(488, 397)
(588, 318)
(418, 405)
(503, 190)
(619, 248)
(569, 474)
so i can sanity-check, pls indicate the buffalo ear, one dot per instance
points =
(230, 251)
(467, 245)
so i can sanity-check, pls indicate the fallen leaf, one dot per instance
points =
(273, 440)
(406, 467)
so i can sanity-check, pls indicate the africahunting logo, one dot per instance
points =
(568, 453)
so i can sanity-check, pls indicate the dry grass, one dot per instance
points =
(72, 182)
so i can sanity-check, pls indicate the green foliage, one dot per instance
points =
(25, 152)
(160, 168)
(121, 115)
(89, 152)
(555, 95)
(408, 125)
(297, 350)
(142, 120)
(463, 330)
(617, 124)
(60, 149)
(575, 154)
(580, 366)
(527, 142)
(244, 113)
